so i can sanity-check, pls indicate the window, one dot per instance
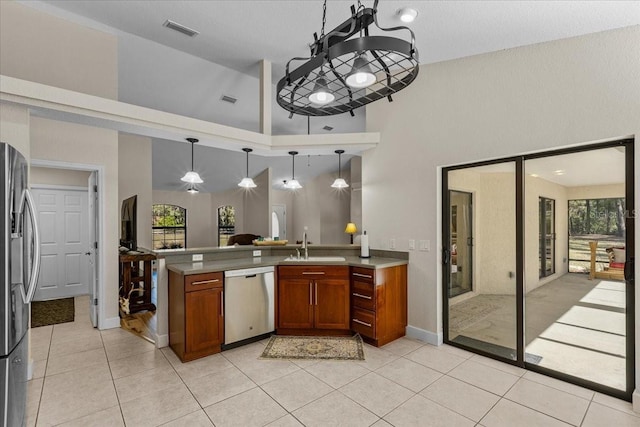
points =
(169, 225)
(226, 224)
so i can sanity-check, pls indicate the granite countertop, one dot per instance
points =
(188, 268)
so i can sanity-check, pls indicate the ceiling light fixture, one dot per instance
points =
(293, 184)
(407, 14)
(246, 181)
(344, 62)
(339, 182)
(192, 176)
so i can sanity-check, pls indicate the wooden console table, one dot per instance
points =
(135, 280)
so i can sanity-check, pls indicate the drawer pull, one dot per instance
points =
(355, 294)
(205, 282)
(368, 325)
(366, 276)
(313, 272)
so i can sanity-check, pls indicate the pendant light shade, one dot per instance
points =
(246, 181)
(192, 189)
(293, 183)
(361, 75)
(339, 182)
(321, 94)
(192, 176)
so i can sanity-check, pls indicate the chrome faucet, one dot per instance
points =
(304, 244)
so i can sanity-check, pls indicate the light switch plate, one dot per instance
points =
(196, 257)
(423, 245)
(412, 244)
(257, 253)
(392, 243)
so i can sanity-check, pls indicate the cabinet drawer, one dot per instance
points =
(198, 282)
(313, 271)
(363, 295)
(365, 275)
(363, 322)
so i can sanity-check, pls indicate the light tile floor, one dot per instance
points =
(84, 377)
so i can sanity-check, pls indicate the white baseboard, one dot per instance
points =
(110, 323)
(635, 400)
(424, 335)
(30, 370)
(162, 341)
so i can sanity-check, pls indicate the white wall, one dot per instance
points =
(285, 197)
(39, 47)
(595, 192)
(257, 206)
(14, 127)
(531, 98)
(62, 177)
(72, 143)
(134, 179)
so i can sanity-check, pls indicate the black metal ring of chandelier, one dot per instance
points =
(393, 62)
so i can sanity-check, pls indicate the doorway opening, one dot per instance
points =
(73, 196)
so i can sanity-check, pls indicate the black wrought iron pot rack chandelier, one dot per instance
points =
(327, 84)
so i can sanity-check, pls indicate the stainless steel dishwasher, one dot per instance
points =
(249, 303)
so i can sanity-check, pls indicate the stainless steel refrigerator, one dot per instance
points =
(20, 262)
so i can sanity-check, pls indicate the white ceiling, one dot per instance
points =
(165, 70)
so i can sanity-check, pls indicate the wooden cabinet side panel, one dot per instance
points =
(332, 303)
(391, 300)
(203, 312)
(176, 313)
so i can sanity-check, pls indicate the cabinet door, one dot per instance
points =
(331, 301)
(295, 299)
(204, 321)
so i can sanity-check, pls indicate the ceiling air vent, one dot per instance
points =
(328, 128)
(229, 99)
(180, 28)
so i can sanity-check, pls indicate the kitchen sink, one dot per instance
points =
(316, 259)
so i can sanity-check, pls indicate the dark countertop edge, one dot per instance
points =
(201, 267)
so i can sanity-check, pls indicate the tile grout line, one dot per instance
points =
(586, 412)
(113, 382)
(44, 376)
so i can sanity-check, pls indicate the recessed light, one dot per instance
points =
(534, 175)
(407, 14)
(559, 172)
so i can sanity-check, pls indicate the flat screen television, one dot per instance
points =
(128, 230)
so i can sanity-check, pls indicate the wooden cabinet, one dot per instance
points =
(196, 314)
(379, 303)
(313, 300)
(135, 282)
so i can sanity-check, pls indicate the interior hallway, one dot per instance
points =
(85, 377)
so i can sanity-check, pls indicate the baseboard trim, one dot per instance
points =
(110, 323)
(162, 341)
(424, 335)
(635, 400)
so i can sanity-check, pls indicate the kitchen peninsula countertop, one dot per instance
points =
(199, 267)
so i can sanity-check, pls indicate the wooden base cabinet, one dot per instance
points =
(379, 303)
(196, 314)
(313, 300)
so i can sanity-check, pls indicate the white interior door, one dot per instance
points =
(279, 221)
(63, 221)
(93, 247)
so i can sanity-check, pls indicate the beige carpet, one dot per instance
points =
(325, 348)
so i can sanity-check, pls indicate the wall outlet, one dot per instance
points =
(257, 253)
(196, 257)
(392, 243)
(412, 244)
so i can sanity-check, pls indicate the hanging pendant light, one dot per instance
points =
(361, 75)
(246, 181)
(321, 94)
(192, 176)
(293, 183)
(339, 182)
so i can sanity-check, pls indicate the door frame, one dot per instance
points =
(628, 144)
(100, 216)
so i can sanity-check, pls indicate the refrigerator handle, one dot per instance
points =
(35, 265)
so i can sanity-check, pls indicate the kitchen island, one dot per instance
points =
(325, 296)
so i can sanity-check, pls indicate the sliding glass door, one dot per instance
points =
(481, 258)
(524, 302)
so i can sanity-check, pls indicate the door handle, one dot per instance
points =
(445, 256)
(310, 292)
(316, 286)
(629, 269)
(35, 265)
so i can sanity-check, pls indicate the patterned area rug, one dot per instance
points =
(325, 348)
(467, 313)
(52, 312)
